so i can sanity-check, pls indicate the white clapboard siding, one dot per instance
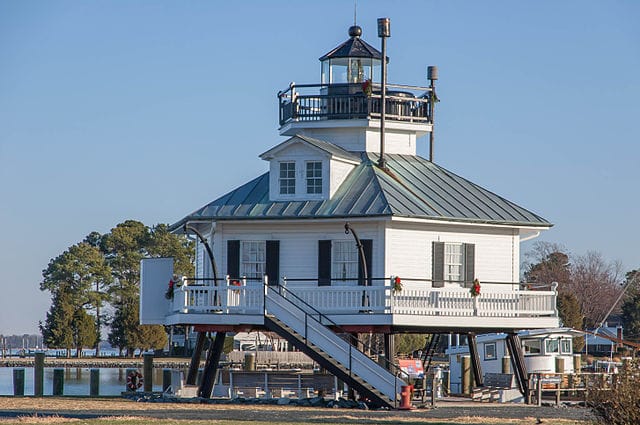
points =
(495, 257)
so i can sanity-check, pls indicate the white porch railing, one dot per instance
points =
(224, 298)
(414, 299)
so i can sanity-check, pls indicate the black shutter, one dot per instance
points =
(324, 263)
(367, 247)
(272, 267)
(469, 264)
(437, 265)
(233, 259)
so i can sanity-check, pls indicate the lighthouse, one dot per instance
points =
(351, 232)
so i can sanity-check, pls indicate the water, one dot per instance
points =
(76, 381)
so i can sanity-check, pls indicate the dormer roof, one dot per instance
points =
(330, 149)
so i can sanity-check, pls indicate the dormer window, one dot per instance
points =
(287, 178)
(307, 169)
(314, 177)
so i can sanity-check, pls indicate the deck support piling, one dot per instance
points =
(389, 350)
(519, 367)
(211, 366)
(476, 367)
(192, 375)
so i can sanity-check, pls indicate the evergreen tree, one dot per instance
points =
(83, 330)
(571, 316)
(631, 307)
(165, 244)
(56, 330)
(406, 344)
(124, 247)
(72, 278)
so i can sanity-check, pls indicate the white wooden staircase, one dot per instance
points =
(308, 330)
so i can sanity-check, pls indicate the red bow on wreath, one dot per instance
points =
(169, 294)
(475, 289)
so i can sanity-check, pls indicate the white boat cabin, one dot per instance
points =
(541, 348)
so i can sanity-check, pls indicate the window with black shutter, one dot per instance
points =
(233, 259)
(452, 262)
(324, 263)
(346, 266)
(272, 266)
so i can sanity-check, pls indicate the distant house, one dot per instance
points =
(349, 237)
(601, 343)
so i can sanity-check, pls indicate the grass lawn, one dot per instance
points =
(388, 421)
(116, 411)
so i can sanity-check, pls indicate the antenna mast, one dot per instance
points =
(355, 10)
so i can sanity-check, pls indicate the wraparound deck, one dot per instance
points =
(417, 306)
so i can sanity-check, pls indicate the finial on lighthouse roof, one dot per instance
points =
(355, 31)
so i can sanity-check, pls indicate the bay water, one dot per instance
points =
(76, 381)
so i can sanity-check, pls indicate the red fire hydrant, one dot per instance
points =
(405, 397)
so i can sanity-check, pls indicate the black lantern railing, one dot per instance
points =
(315, 102)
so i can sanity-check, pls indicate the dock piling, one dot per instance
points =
(38, 375)
(94, 382)
(58, 381)
(147, 372)
(166, 380)
(18, 381)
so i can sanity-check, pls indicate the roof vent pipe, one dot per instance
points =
(384, 31)
(432, 76)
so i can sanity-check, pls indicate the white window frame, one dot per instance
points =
(566, 346)
(490, 351)
(549, 346)
(253, 259)
(453, 262)
(314, 182)
(344, 263)
(528, 344)
(287, 177)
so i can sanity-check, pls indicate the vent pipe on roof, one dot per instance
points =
(384, 31)
(432, 76)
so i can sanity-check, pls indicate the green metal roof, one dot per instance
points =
(410, 187)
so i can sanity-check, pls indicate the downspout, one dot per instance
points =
(363, 260)
(204, 242)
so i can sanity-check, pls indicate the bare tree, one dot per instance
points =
(594, 282)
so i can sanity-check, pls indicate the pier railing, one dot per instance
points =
(416, 298)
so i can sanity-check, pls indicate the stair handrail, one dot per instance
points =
(391, 367)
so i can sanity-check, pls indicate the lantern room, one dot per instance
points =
(352, 62)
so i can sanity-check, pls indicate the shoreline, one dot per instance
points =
(99, 362)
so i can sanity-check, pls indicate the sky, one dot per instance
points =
(147, 110)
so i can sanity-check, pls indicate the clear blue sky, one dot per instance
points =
(147, 110)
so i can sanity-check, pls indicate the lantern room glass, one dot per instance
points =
(349, 70)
